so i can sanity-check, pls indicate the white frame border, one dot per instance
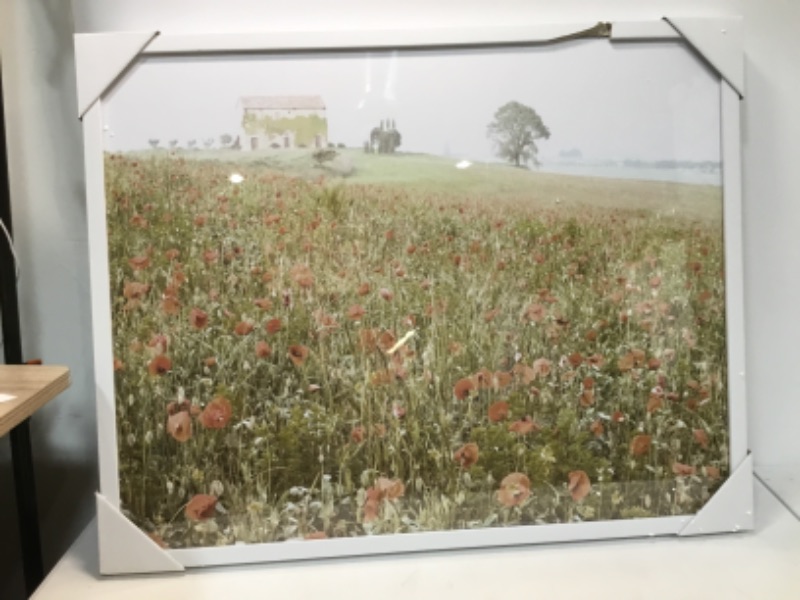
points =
(103, 58)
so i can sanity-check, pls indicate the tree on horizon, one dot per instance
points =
(514, 130)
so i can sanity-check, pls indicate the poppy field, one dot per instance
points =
(301, 357)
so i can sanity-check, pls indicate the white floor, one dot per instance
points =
(764, 564)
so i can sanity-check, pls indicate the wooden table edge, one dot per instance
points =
(19, 411)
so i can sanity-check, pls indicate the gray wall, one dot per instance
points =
(47, 184)
(45, 164)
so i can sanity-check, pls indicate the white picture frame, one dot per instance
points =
(102, 62)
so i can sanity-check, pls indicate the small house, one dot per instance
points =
(283, 122)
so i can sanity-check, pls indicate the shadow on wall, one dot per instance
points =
(66, 501)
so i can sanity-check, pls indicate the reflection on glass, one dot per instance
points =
(357, 338)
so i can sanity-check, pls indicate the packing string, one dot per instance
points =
(11, 247)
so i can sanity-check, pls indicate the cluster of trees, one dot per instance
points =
(384, 139)
(225, 141)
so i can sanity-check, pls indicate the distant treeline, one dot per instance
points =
(704, 165)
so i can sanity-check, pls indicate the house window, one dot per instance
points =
(254, 143)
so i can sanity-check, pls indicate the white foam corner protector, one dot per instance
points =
(101, 58)
(721, 43)
(730, 509)
(124, 548)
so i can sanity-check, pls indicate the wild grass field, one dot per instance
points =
(410, 348)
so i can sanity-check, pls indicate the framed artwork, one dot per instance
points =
(374, 292)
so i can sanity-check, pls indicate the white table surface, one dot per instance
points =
(760, 565)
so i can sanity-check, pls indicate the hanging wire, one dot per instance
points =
(11, 247)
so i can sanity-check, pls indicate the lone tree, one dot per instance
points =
(515, 129)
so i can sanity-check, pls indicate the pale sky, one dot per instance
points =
(648, 101)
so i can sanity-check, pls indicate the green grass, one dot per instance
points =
(495, 182)
(599, 318)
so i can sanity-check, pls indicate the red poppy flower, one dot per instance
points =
(467, 455)
(596, 360)
(273, 325)
(363, 289)
(463, 388)
(575, 360)
(172, 254)
(325, 320)
(179, 426)
(298, 354)
(514, 489)
(640, 444)
(579, 485)
(597, 428)
(524, 373)
(243, 328)
(210, 256)
(587, 398)
(542, 366)
(384, 489)
(302, 275)
(158, 344)
(682, 470)
(201, 507)
(372, 505)
(501, 379)
(170, 305)
(160, 365)
(357, 434)
(263, 303)
(390, 489)
(216, 414)
(133, 290)
(386, 340)
(498, 411)
(138, 220)
(524, 426)
(483, 379)
(198, 318)
(356, 312)
(654, 403)
(367, 339)
(262, 349)
(138, 263)
(701, 437)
